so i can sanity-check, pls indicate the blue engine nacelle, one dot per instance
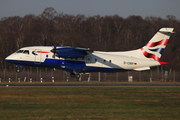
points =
(70, 52)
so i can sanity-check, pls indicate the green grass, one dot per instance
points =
(21, 103)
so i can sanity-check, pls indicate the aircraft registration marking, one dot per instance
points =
(129, 63)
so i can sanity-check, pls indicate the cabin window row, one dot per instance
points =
(104, 61)
(83, 59)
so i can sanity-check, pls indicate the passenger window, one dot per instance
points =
(110, 61)
(26, 52)
(95, 60)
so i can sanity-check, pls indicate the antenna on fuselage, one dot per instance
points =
(44, 41)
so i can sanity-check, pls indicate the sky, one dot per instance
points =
(123, 8)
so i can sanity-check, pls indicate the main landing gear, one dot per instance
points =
(75, 75)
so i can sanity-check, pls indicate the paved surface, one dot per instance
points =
(89, 85)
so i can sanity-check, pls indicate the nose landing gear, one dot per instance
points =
(18, 68)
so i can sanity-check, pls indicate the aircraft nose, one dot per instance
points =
(10, 58)
(7, 58)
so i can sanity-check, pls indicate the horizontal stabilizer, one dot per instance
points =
(166, 30)
(163, 63)
(143, 68)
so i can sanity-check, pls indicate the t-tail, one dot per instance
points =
(155, 47)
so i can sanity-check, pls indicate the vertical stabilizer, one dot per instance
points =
(155, 47)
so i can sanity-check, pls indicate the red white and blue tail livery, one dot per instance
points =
(81, 60)
(155, 47)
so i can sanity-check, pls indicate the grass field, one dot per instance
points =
(42, 103)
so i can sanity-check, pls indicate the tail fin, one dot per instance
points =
(154, 48)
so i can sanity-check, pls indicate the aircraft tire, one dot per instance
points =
(78, 76)
(17, 70)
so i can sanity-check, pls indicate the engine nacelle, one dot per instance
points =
(69, 52)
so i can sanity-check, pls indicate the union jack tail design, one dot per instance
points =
(155, 47)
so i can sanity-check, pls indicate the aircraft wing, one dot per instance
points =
(84, 50)
(73, 52)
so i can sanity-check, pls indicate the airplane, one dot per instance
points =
(82, 60)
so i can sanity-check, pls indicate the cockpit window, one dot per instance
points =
(20, 51)
(23, 51)
(26, 52)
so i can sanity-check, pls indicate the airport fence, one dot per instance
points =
(51, 75)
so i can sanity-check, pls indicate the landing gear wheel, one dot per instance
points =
(78, 76)
(17, 70)
(75, 75)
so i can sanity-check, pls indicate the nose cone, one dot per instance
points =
(11, 58)
(7, 59)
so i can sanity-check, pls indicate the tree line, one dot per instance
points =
(103, 33)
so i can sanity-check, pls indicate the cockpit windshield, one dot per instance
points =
(26, 52)
(23, 51)
(20, 51)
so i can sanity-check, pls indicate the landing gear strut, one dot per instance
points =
(75, 75)
(18, 68)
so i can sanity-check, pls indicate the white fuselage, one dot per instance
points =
(41, 56)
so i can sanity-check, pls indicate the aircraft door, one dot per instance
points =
(37, 54)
